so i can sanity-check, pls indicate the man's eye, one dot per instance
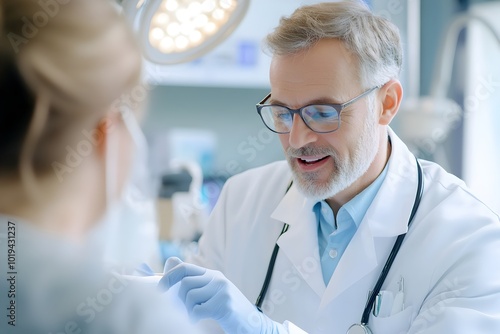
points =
(321, 112)
(282, 115)
(327, 114)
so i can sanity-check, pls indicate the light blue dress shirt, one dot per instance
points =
(335, 233)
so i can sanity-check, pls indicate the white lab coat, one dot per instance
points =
(449, 259)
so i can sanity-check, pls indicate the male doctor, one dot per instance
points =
(330, 215)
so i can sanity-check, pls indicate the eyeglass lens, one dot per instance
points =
(320, 118)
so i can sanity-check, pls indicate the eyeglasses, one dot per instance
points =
(320, 118)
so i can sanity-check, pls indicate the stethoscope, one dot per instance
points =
(362, 327)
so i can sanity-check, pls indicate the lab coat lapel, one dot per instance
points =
(386, 218)
(300, 242)
(358, 260)
(390, 210)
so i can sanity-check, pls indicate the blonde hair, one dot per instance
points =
(62, 66)
(372, 39)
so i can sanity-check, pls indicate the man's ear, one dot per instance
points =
(390, 96)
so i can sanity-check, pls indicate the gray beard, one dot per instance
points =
(346, 171)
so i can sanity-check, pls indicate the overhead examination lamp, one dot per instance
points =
(427, 120)
(177, 31)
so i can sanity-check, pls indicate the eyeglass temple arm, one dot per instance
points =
(348, 103)
(265, 99)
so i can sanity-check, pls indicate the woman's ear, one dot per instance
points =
(390, 96)
(103, 130)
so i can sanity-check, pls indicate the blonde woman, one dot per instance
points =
(66, 147)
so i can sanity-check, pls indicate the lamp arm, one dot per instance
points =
(442, 76)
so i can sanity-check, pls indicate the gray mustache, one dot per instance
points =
(308, 151)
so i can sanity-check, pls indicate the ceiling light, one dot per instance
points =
(176, 31)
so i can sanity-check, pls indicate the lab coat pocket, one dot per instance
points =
(398, 323)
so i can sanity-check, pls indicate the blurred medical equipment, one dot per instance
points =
(180, 159)
(481, 156)
(182, 144)
(171, 183)
(177, 31)
(189, 211)
(182, 211)
(431, 117)
(425, 122)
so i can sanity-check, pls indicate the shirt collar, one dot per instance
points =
(356, 208)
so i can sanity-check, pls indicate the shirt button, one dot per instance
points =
(333, 253)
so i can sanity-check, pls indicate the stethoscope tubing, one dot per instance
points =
(395, 250)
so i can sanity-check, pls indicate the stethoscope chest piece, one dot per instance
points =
(359, 329)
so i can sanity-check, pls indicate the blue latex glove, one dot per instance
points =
(209, 294)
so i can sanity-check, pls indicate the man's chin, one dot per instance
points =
(311, 190)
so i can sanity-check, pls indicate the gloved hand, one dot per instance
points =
(209, 294)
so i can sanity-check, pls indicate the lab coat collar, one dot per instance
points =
(397, 191)
(367, 248)
(300, 242)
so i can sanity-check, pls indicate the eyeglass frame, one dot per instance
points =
(338, 107)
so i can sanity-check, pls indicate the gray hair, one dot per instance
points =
(373, 40)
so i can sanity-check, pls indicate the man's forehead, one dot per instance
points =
(327, 58)
(327, 47)
(324, 70)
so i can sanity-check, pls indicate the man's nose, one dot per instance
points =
(300, 135)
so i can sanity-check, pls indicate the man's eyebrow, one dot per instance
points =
(322, 100)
